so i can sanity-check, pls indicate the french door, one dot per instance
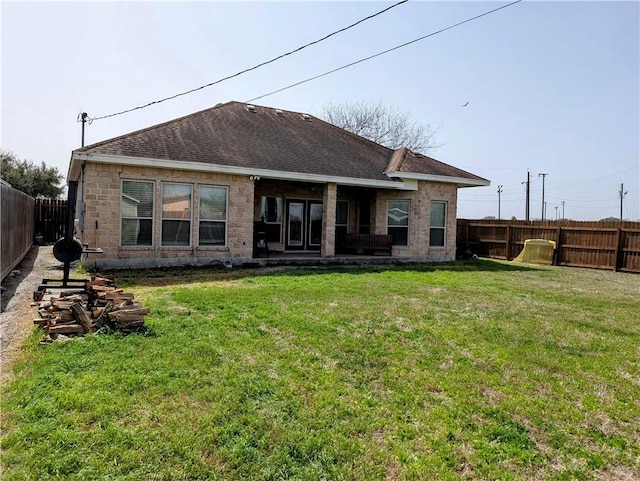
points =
(304, 224)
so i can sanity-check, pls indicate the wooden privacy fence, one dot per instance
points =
(17, 232)
(599, 245)
(50, 216)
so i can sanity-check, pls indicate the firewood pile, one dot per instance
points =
(99, 304)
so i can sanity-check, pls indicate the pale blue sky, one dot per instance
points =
(552, 86)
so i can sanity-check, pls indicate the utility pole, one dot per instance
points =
(528, 182)
(499, 192)
(556, 211)
(84, 118)
(563, 210)
(621, 193)
(543, 205)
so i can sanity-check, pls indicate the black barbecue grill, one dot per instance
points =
(67, 250)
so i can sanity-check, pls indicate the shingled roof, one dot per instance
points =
(263, 138)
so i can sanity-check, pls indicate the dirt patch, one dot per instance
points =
(16, 312)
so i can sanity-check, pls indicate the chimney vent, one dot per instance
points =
(279, 112)
(306, 117)
(251, 108)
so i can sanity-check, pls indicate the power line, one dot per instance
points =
(596, 179)
(252, 68)
(385, 51)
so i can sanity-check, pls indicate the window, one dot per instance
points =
(213, 216)
(176, 215)
(437, 225)
(271, 213)
(398, 221)
(342, 213)
(136, 213)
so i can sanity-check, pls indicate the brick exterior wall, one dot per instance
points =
(100, 190)
(328, 248)
(419, 220)
(100, 226)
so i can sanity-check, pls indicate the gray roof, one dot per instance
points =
(234, 135)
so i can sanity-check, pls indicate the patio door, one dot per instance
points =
(304, 224)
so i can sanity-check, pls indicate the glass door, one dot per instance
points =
(295, 224)
(304, 225)
(315, 225)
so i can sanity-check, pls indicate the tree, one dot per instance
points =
(382, 124)
(27, 176)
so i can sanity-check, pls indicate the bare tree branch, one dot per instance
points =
(382, 124)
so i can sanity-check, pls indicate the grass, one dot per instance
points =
(477, 370)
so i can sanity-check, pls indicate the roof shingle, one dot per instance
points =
(231, 135)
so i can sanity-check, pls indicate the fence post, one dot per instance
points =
(508, 243)
(618, 253)
(556, 258)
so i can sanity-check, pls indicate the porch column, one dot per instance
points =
(328, 247)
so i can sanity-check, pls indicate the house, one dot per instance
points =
(206, 187)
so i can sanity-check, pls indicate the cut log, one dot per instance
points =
(60, 304)
(106, 288)
(66, 329)
(127, 304)
(125, 319)
(142, 311)
(77, 312)
(66, 315)
(83, 316)
(119, 296)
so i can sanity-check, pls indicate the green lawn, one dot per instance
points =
(477, 370)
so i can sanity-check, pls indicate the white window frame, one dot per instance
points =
(189, 220)
(224, 221)
(438, 227)
(125, 217)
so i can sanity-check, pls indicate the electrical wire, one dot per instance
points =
(384, 52)
(251, 68)
(594, 180)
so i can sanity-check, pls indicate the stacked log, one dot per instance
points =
(99, 304)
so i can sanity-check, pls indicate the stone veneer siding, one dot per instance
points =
(101, 192)
(419, 220)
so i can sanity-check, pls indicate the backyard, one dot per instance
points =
(479, 370)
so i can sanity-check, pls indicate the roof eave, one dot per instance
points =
(78, 158)
(459, 181)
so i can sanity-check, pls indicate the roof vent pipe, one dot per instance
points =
(279, 112)
(306, 117)
(251, 108)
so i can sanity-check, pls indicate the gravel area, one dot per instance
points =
(16, 312)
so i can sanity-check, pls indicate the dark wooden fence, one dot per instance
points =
(50, 215)
(16, 236)
(600, 245)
